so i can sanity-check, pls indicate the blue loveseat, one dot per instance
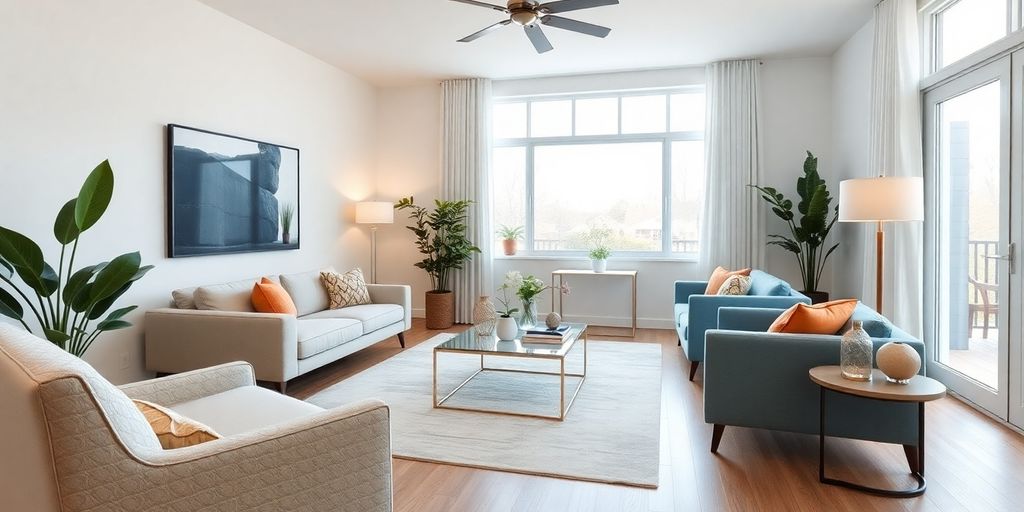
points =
(757, 379)
(696, 312)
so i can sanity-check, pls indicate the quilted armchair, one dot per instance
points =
(72, 441)
(696, 313)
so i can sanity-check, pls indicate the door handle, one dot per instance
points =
(1009, 257)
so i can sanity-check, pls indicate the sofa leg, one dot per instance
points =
(911, 452)
(401, 339)
(679, 341)
(716, 437)
(282, 387)
(693, 369)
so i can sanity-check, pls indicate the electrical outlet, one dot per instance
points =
(125, 361)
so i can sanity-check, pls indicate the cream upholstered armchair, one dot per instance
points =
(72, 441)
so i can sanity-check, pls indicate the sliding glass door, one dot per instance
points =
(972, 199)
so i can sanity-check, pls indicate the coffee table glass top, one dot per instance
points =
(469, 341)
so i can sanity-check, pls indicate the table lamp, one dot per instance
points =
(374, 213)
(878, 200)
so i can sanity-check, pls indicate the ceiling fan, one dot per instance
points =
(531, 14)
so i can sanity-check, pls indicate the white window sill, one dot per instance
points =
(611, 261)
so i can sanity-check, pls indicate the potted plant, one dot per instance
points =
(507, 328)
(509, 238)
(67, 301)
(599, 258)
(527, 288)
(287, 215)
(441, 238)
(810, 231)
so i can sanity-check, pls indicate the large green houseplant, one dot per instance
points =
(64, 302)
(810, 231)
(441, 237)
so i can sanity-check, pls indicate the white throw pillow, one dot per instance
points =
(735, 285)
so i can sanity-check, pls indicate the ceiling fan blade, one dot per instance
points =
(573, 5)
(484, 4)
(477, 35)
(576, 26)
(537, 37)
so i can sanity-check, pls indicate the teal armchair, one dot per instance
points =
(757, 379)
(696, 313)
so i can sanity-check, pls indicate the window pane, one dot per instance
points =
(508, 186)
(598, 191)
(969, 25)
(599, 116)
(509, 120)
(551, 118)
(687, 195)
(688, 112)
(643, 114)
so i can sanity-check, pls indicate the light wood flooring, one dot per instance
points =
(973, 462)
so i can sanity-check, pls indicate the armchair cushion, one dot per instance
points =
(307, 291)
(763, 283)
(876, 325)
(244, 409)
(719, 276)
(318, 335)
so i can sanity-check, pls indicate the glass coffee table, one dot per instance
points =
(471, 344)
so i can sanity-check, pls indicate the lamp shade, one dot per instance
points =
(884, 199)
(375, 212)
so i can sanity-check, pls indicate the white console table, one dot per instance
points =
(561, 273)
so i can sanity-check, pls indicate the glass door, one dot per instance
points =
(970, 246)
(1016, 304)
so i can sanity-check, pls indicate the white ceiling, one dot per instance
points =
(394, 42)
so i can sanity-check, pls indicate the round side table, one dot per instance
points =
(920, 389)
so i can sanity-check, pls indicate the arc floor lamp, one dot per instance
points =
(374, 213)
(878, 200)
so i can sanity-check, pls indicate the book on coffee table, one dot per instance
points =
(555, 336)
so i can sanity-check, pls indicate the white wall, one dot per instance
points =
(84, 81)
(797, 96)
(851, 93)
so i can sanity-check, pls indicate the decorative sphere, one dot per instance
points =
(553, 320)
(898, 361)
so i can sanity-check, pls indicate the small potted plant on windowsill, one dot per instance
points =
(510, 237)
(599, 258)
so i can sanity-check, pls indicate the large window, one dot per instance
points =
(958, 28)
(624, 170)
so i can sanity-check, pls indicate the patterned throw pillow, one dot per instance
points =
(172, 429)
(735, 285)
(348, 289)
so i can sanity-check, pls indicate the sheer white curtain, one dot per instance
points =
(465, 174)
(733, 222)
(895, 150)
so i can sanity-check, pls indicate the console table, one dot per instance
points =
(561, 273)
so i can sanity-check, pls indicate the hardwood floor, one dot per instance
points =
(973, 462)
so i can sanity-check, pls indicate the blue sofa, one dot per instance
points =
(757, 379)
(696, 313)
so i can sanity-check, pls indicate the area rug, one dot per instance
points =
(611, 434)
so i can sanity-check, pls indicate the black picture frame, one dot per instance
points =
(229, 202)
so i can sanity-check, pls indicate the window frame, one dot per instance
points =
(666, 138)
(931, 31)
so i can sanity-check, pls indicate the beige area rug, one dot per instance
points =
(611, 434)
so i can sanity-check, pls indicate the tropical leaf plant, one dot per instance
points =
(809, 232)
(67, 305)
(441, 237)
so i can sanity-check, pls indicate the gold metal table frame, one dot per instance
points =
(563, 405)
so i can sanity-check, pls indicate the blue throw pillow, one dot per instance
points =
(876, 325)
(766, 285)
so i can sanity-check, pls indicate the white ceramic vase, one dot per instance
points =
(507, 328)
(599, 266)
(898, 361)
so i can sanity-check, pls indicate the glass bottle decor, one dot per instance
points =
(485, 316)
(528, 318)
(855, 353)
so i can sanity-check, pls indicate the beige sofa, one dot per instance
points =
(73, 442)
(215, 324)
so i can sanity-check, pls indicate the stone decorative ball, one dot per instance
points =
(553, 320)
(898, 361)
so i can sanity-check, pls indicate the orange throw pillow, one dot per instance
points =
(824, 318)
(270, 297)
(719, 276)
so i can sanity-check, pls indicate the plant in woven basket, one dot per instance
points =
(441, 238)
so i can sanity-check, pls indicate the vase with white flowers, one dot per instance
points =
(527, 288)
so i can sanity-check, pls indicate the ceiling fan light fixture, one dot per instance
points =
(524, 17)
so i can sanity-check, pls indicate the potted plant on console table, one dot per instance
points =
(812, 229)
(441, 237)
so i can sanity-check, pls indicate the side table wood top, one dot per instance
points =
(919, 389)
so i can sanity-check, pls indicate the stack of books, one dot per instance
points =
(554, 336)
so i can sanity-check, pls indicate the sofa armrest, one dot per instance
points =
(179, 340)
(399, 294)
(703, 314)
(747, 319)
(183, 387)
(686, 288)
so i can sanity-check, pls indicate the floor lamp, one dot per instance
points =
(878, 200)
(374, 213)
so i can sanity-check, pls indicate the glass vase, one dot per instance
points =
(485, 316)
(855, 353)
(528, 317)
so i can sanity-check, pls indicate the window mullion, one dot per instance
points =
(666, 196)
(530, 241)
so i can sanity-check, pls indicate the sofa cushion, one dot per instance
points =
(876, 325)
(244, 409)
(735, 285)
(765, 284)
(719, 276)
(233, 296)
(372, 316)
(270, 297)
(824, 318)
(307, 291)
(348, 289)
(183, 298)
(320, 335)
